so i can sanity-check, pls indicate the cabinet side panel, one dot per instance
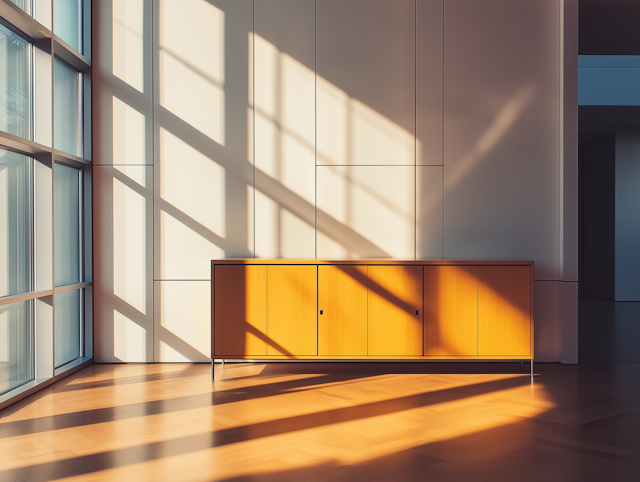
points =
(342, 298)
(292, 294)
(240, 310)
(451, 310)
(395, 294)
(504, 311)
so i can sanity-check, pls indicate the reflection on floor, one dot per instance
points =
(609, 331)
(328, 422)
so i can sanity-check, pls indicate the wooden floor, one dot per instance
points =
(328, 422)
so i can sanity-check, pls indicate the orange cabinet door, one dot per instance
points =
(395, 310)
(292, 296)
(342, 310)
(240, 310)
(504, 310)
(450, 310)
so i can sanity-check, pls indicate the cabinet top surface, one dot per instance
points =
(379, 261)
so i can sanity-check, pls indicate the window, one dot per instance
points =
(16, 345)
(66, 108)
(67, 25)
(24, 5)
(69, 321)
(45, 298)
(15, 85)
(67, 223)
(16, 223)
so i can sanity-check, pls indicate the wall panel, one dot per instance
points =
(190, 230)
(284, 126)
(502, 131)
(203, 53)
(429, 207)
(429, 81)
(123, 270)
(546, 314)
(366, 211)
(182, 321)
(366, 82)
(569, 322)
(122, 82)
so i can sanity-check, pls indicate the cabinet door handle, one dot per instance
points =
(321, 311)
(417, 312)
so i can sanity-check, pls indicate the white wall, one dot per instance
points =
(338, 129)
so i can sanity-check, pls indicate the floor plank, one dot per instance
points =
(386, 422)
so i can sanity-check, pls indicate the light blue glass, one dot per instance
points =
(16, 193)
(623, 86)
(592, 86)
(609, 80)
(16, 345)
(66, 22)
(624, 61)
(592, 61)
(24, 5)
(66, 115)
(66, 213)
(15, 95)
(67, 332)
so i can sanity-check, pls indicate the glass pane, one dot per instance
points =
(66, 22)
(15, 223)
(24, 5)
(15, 98)
(67, 322)
(65, 108)
(16, 347)
(66, 187)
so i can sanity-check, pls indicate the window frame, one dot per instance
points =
(31, 72)
(42, 161)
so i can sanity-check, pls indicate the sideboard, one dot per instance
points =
(371, 309)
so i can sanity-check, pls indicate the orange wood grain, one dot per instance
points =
(342, 295)
(292, 294)
(504, 317)
(451, 310)
(504, 310)
(240, 310)
(334, 421)
(395, 293)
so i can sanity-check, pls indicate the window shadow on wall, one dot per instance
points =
(259, 148)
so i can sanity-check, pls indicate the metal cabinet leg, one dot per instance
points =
(531, 374)
(213, 376)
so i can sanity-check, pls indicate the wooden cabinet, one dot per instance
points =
(478, 311)
(264, 310)
(372, 309)
(504, 311)
(342, 315)
(240, 299)
(395, 310)
(292, 295)
(451, 310)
